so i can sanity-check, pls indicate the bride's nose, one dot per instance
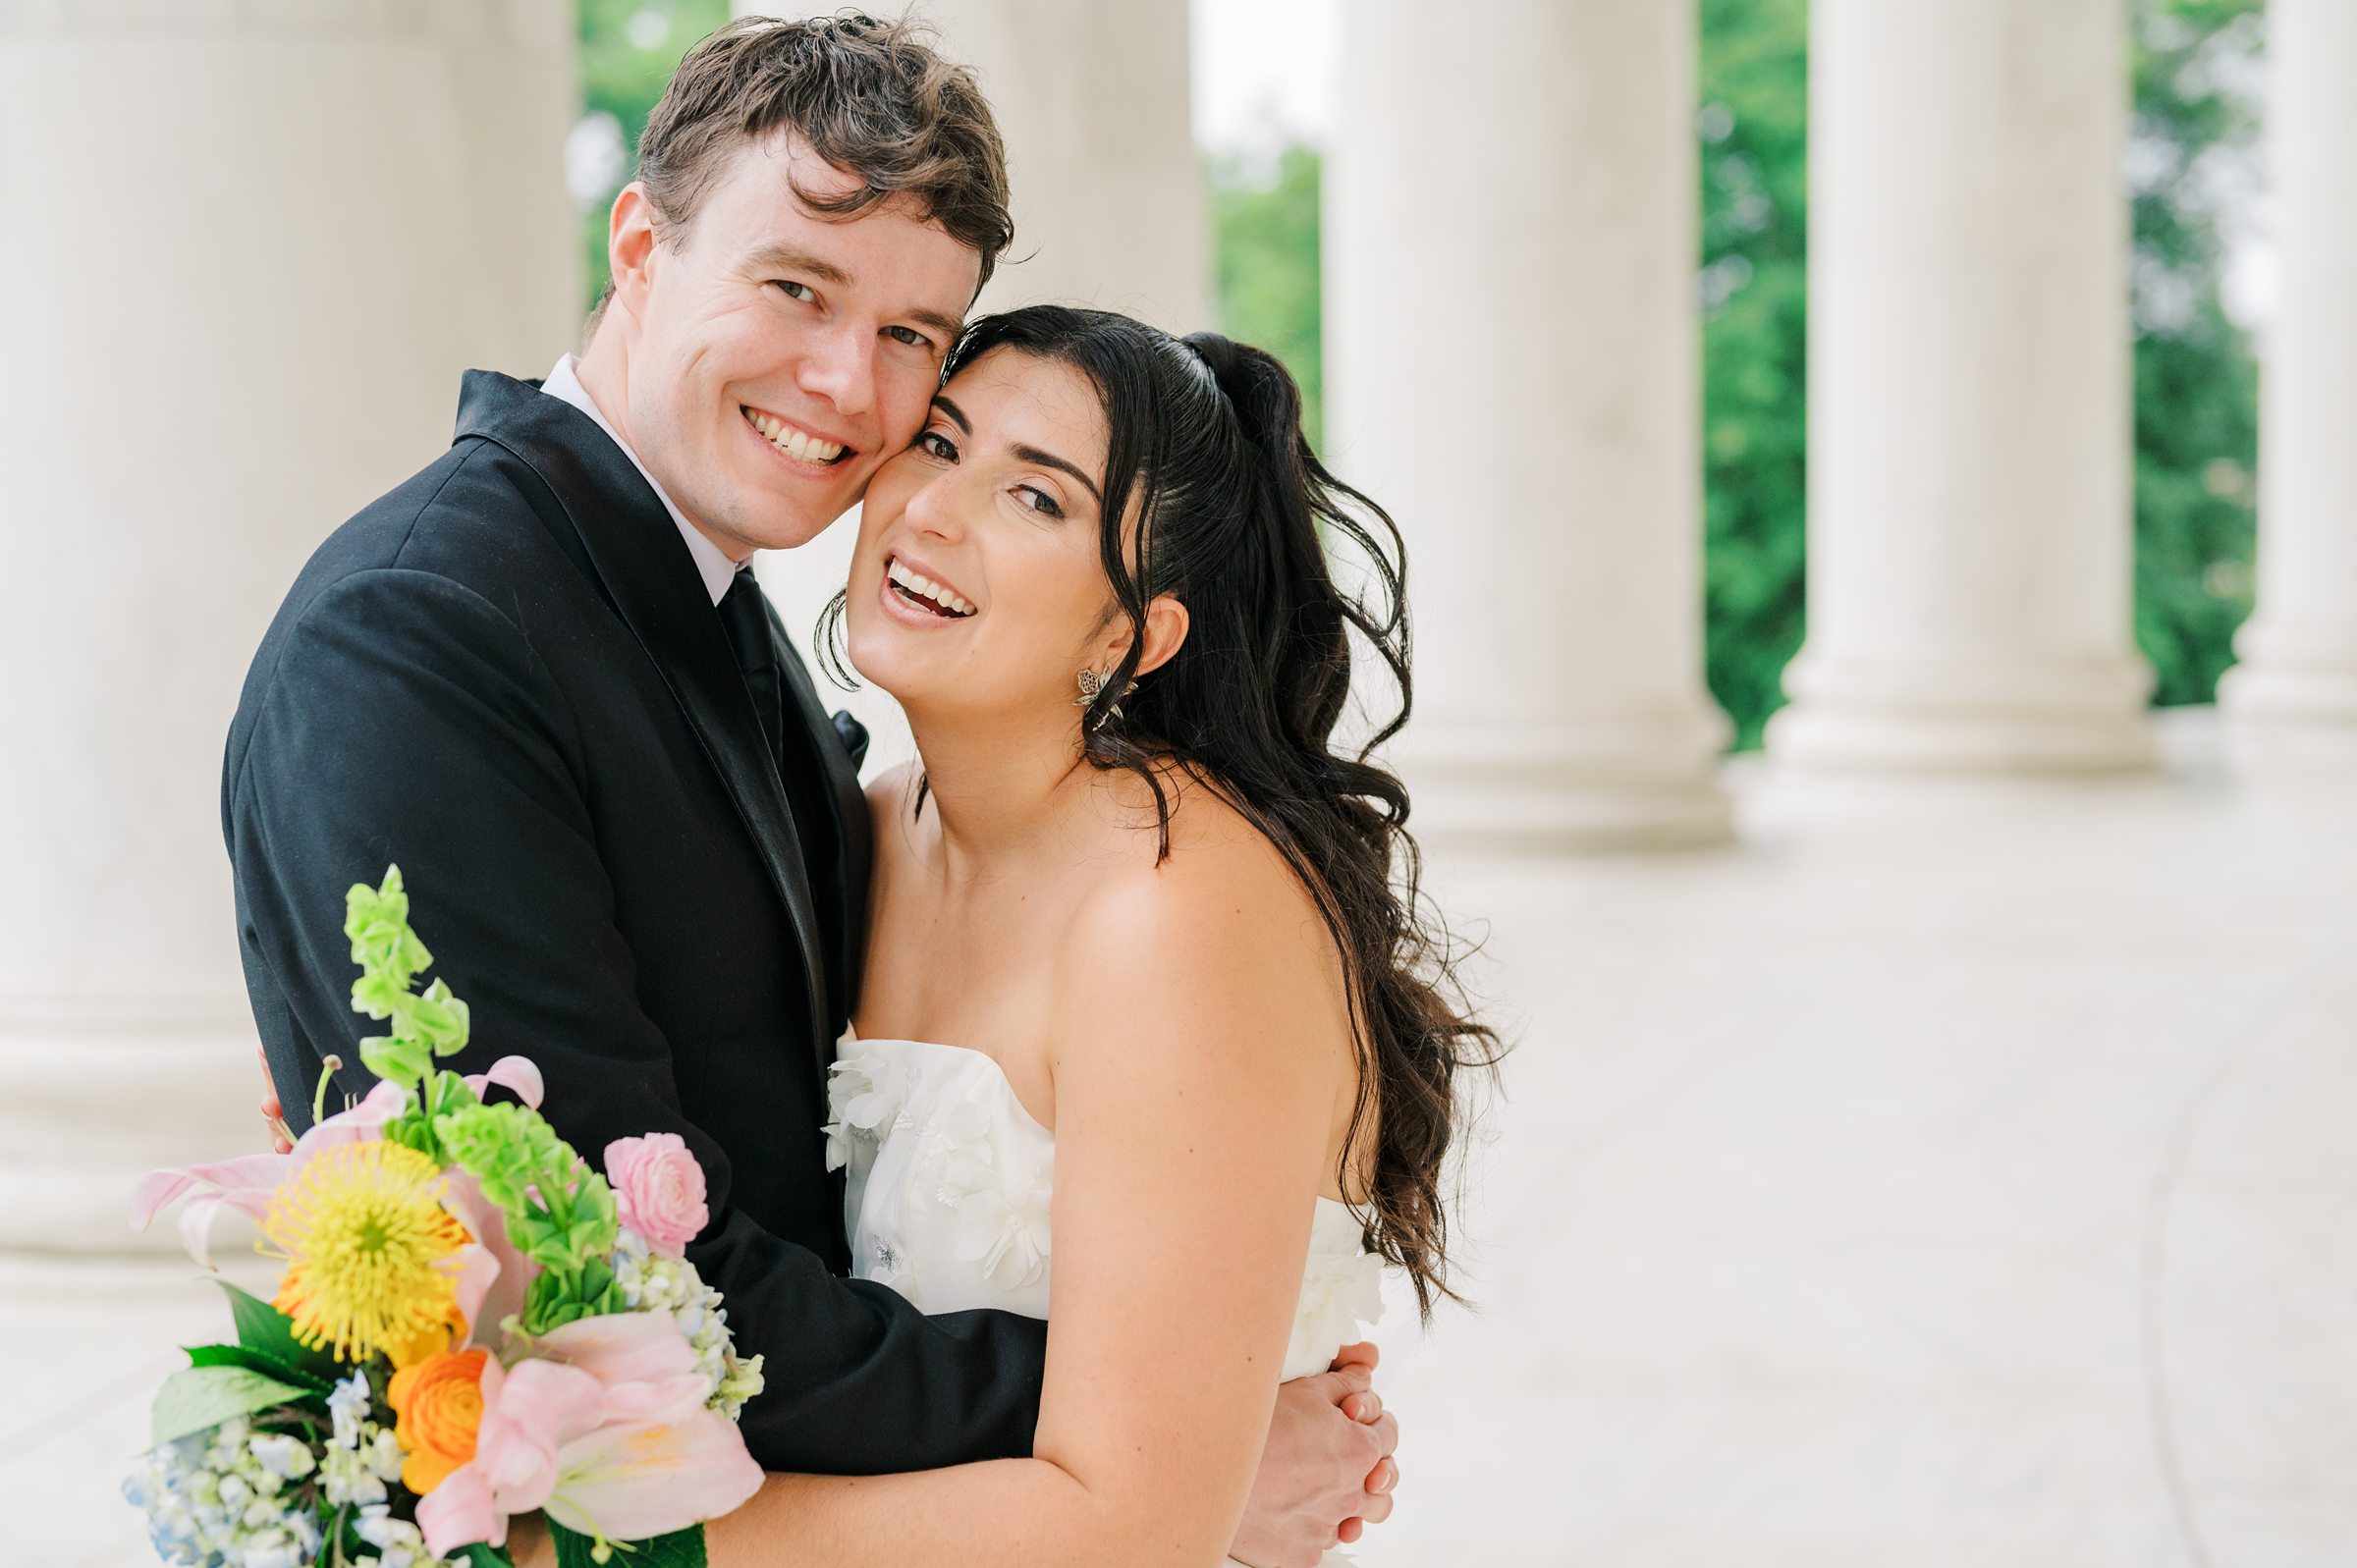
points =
(939, 507)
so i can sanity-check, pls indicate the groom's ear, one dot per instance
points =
(630, 245)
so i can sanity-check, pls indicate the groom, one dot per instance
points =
(540, 676)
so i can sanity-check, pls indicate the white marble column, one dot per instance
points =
(256, 245)
(1970, 519)
(1513, 371)
(2292, 701)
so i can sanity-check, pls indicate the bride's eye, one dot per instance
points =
(1041, 501)
(933, 444)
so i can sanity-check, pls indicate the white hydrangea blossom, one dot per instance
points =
(399, 1544)
(227, 1498)
(348, 1407)
(651, 1282)
(362, 1459)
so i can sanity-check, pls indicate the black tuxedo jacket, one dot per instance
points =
(507, 677)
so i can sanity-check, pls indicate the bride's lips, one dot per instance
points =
(798, 447)
(913, 607)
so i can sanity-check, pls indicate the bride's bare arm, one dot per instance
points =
(1198, 1069)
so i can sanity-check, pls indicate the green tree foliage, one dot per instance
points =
(629, 51)
(1753, 126)
(2197, 400)
(1266, 217)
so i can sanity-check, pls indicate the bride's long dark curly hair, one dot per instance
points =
(1235, 512)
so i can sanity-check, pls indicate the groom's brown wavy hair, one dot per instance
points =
(871, 98)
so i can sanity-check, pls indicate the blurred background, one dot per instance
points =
(1883, 514)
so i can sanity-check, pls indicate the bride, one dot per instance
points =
(1141, 934)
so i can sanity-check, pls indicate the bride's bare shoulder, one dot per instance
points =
(1224, 900)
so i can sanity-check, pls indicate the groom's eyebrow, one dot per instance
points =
(785, 258)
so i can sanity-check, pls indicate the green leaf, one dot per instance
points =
(682, 1548)
(477, 1555)
(197, 1398)
(256, 1361)
(266, 1331)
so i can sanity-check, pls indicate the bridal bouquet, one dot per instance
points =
(471, 1323)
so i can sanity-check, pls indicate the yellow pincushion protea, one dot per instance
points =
(363, 1230)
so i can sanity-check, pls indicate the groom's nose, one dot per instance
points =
(840, 365)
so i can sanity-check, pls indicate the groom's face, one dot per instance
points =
(779, 356)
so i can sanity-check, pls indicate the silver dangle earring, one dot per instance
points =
(1092, 686)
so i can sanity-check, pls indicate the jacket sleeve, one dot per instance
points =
(407, 721)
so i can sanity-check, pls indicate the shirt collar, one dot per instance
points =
(564, 383)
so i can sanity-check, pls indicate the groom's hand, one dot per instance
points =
(1327, 1472)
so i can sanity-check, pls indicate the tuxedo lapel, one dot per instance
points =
(847, 805)
(647, 575)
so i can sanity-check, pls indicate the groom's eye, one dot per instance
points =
(793, 291)
(910, 335)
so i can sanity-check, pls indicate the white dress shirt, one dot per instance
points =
(716, 569)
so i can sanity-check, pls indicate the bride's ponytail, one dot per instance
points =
(1237, 518)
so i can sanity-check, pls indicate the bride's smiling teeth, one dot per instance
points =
(791, 441)
(925, 591)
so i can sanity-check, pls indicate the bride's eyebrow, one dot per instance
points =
(1049, 459)
(1046, 460)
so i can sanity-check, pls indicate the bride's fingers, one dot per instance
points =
(1363, 1354)
(1350, 1531)
(1387, 1436)
(1346, 1383)
(1366, 1407)
(274, 1114)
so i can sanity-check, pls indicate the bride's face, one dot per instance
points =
(977, 587)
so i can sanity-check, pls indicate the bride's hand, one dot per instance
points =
(1384, 1480)
(274, 1114)
(1327, 1471)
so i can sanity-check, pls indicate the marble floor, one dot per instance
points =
(1949, 1175)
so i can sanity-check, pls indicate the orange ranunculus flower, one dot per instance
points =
(441, 1404)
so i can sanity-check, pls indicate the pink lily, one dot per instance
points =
(490, 1275)
(609, 1441)
(509, 1072)
(248, 1183)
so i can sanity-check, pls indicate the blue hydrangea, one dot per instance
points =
(651, 1282)
(228, 1498)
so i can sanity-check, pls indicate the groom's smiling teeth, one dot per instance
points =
(791, 441)
(925, 591)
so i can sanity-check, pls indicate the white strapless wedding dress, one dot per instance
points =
(949, 1182)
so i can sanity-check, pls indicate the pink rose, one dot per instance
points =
(659, 1189)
